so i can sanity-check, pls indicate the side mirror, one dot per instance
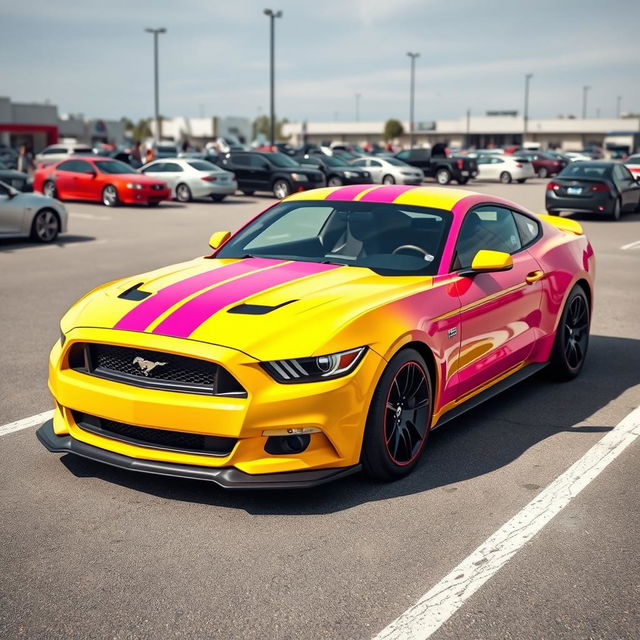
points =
(218, 238)
(486, 261)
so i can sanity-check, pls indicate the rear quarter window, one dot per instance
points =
(528, 228)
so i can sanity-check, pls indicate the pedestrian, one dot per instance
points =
(24, 161)
(149, 155)
(136, 152)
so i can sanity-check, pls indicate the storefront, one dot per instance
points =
(35, 125)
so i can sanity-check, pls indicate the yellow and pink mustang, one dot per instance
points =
(329, 334)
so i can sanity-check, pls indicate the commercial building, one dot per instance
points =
(477, 131)
(199, 131)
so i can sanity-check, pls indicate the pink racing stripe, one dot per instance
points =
(348, 193)
(141, 316)
(387, 193)
(187, 318)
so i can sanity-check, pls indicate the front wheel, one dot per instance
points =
(45, 226)
(110, 196)
(399, 417)
(281, 189)
(572, 337)
(388, 180)
(542, 172)
(335, 181)
(443, 176)
(505, 177)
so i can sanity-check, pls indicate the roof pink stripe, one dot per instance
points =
(187, 318)
(348, 193)
(386, 194)
(142, 315)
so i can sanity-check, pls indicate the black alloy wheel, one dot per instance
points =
(399, 417)
(572, 337)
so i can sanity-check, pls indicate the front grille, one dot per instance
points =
(154, 370)
(155, 438)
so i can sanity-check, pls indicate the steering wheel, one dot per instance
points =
(410, 247)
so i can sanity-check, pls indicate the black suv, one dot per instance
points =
(336, 171)
(275, 172)
(436, 164)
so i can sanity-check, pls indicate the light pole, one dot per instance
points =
(585, 90)
(527, 79)
(156, 32)
(618, 101)
(357, 107)
(272, 125)
(413, 57)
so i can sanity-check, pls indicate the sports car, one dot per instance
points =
(330, 334)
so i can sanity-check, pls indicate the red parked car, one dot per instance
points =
(99, 180)
(544, 164)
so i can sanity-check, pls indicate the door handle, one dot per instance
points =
(534, 276)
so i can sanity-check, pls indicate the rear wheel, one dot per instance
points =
(388, 179)
(335, 181)
(49, 189)
(616, 212)
(281, 189)
(542, 172)
(443, 176)
(505, 177)
(45, 226)
(110, 196)
(218, 197)
(572, 337)
(183, 193)
(399, 417)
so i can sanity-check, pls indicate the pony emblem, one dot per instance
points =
(146, 365)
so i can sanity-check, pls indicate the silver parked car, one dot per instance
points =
(30, 214)
(390, 171)
(191, 178)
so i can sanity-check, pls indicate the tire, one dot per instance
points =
(183, 193)
(505, 177)
(521, 180)
(248, 192)
(463, 180)
(334, 181)
(394, 437)
(388, 179)
(218, 197)
(572, 337)
(110, 196)
(542, 172)
(281, 189)
(45, 226)
(443, 176)
(616, 212)
(49, 189)
(553, 213)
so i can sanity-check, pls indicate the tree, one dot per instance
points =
(141, 131)
(392, 129)
(128, 124)
(261, 125)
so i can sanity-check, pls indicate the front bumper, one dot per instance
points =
(226, 477)
(144, 196)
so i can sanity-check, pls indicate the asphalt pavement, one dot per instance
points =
(88, 551)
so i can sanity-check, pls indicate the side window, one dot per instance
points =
(621, 174)
(68, 165)
(359, 163)
(241, 159)
(258, 162)
(374, 163)
(488, 227)
(528, 228)
(84, 167)
(172, 166)
(403, 155)
(157, 167)
(48, 152)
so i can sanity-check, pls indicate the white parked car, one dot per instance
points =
(505, 168)
(633, 164)
(62, 151)
(191, 178)
(390, 171)
(31, 215)
(576, 156)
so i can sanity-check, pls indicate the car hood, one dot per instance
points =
(268, 309)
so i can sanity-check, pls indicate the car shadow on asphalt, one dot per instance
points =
(479, 442)
(9, 245)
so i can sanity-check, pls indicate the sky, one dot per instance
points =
(94, 58)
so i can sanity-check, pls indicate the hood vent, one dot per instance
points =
(134, 293)
(257, 309)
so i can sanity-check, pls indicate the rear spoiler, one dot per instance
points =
(564, 224)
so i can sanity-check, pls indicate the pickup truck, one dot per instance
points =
(435, 164)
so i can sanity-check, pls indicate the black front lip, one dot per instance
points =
(226, 477)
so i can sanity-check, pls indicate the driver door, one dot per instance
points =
(499, 311)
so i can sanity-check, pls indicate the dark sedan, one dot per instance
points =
(544, 164)
(336, 171)
(594, 187)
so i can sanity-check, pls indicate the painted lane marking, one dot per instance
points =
(631, 245)
(445, 598)
(88, 216)
(25, 423)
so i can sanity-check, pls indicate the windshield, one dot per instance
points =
(203, 165)
(280, 160)
(390, 239)
(114, 166)
(633, 160)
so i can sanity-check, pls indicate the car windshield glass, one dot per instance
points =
(333, 162)
(633, 160)
(83, 151)
(585, 170)
(395, 162)
(280, 160)
(203, 165)
(390, 239)
(114, 166)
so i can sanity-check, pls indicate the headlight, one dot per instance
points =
(133, 185)
(300, 177)
(350, 174)
(314, 369)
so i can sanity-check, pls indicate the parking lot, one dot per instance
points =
(91, 551)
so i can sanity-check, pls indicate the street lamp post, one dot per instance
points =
(585, 90)
(272, 125)
(527, 79)
(413, 57)
(156, 32)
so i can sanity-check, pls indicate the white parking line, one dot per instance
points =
(25, 423)
(631, 245)
(446, 597)
(88, 216)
